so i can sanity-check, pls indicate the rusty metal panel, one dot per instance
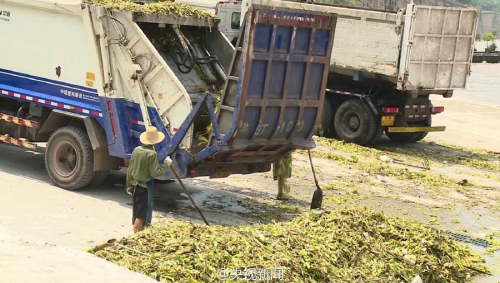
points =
(442, 44)
(277, 101)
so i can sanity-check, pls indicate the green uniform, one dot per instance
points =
(282, 168)
(144, 166)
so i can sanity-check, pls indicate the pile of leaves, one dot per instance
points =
(346, 245)
(180, 10)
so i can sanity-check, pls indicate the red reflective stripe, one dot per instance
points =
(416, 116)
(176, 129)
(417, 106)
(48, 102)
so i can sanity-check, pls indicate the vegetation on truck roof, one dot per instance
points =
(180, 10)
(344, 245)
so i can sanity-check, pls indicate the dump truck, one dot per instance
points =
(85, 79)
(385, 66)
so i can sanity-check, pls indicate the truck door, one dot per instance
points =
(437, 47)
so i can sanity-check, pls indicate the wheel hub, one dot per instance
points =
(65, 158)
(354, 122)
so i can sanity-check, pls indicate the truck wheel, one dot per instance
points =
(378, 134)
(355, 122)
(98, 178)
(326, 120)
(403, 137)
(409, 137)
(69, 158)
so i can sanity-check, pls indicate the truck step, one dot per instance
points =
(19, 142)
(19, 121)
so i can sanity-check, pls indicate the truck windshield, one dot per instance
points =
(235, 20)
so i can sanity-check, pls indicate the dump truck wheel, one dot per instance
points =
(355, 122)
(69, 158)
(98, 178)
(378, 134)
(326, 119)
(406, 137)
(409, 137)
(403, 137)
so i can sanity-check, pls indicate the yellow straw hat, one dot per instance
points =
(151, 136)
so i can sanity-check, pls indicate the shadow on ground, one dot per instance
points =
(436, 152)
(222, 204)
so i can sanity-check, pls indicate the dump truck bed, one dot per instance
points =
(420, 47)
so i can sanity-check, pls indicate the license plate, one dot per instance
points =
(387, 120)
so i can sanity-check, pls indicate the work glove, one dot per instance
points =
(167, 161)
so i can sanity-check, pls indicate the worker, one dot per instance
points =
(282, 170)
(144, 167)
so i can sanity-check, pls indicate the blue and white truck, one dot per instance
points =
(85, 80)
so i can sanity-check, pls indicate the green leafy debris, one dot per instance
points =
(345, 245)
(172, 8)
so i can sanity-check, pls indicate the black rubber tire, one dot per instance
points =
(366, 122)
(403, 137)
(378, 134)
(98, 178)
(82, 172)
(409, 137)
(326, 119)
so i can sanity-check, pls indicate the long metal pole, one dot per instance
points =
(187, 192)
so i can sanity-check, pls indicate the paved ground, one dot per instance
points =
(472, 116)
(27, 259)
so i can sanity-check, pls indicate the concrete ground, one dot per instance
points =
(27, 259)
(44, 230)
(472, 116)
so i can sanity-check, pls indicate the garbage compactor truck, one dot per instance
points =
(86, 80)
(385, 66)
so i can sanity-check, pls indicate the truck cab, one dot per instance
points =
(229, 13)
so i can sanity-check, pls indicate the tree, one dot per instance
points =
(489, 37)
(487, 5)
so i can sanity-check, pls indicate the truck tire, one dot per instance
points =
(69, 158)
(326, 120)
(402, 137)
(378, 134)
(409, 137)
(98, 178)
(355, 122)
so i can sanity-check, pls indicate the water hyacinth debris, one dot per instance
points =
(172, 8)
(345, 245)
